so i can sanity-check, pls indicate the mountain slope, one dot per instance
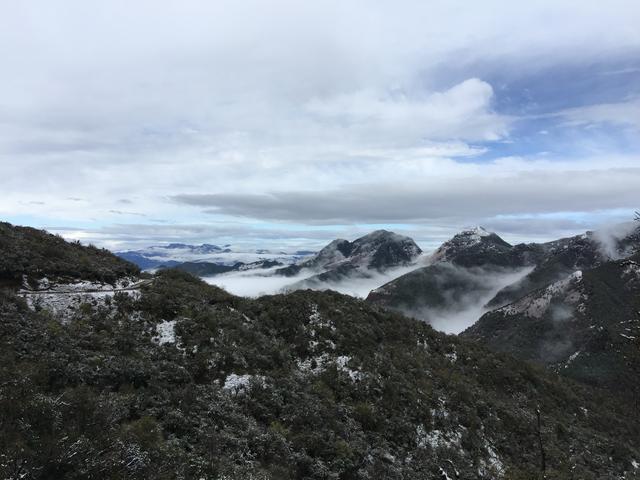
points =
(465, 271)
(344, 261)
(586, 326)
(443, 294)
(478, 247)
(565, 256)
(378, 250)
(33, 253)
(187, 381)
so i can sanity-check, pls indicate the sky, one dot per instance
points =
(287, 124)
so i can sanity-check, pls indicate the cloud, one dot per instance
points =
(463, 111)
(609, 237)
(463, 308)
(252, 284)
(121, 212)
(125, 236)
(290, 101)
(463, 198)
(625, 114)
(256, 283)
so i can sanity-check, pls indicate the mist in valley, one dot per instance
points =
(464, 310)
(264, 282)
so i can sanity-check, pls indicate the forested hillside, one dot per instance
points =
(182, 380)
(33, 253)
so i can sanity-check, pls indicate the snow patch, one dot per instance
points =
(65, 298)
(452, 356)
(444, 474)
(165, 332)
(437, 438)
(240, 383)
(342, 362)
(316, 321)
(320, 363)
(493, 464)
(571, 358)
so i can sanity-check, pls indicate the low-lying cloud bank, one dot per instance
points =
(463, 313)
(251, 283)
(465, 310)
(264, 282)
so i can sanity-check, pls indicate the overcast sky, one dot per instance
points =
(288, 123)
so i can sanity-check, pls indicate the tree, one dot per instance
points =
(543, 460)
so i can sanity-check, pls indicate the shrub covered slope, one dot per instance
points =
(187, 381)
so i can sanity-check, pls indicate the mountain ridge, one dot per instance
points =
(585, 326)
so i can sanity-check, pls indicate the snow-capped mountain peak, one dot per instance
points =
(479, 231)
(335, 252)
(477, 238)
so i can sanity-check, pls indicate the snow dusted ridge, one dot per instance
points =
(64, 298)
(320, 362)
(536, 304)
(378, 250)
(477, 232)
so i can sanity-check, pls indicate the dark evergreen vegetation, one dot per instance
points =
(36, 253)
(309, 385)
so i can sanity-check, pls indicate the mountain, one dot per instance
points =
(477, 271)
(585, 326)
(208, 269)
(557, 259)
(28, 253)
(464, 272)
(203, 249)
(442, 290)
(478, 247)
(175, 378)
(343, 260)
(144, 262)
(175, 254)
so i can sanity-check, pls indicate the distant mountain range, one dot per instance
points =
(213, 259)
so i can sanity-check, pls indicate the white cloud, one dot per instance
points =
(145, 100)
(256, 283)
(625, 113)
(462, 112)
(509, 186)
